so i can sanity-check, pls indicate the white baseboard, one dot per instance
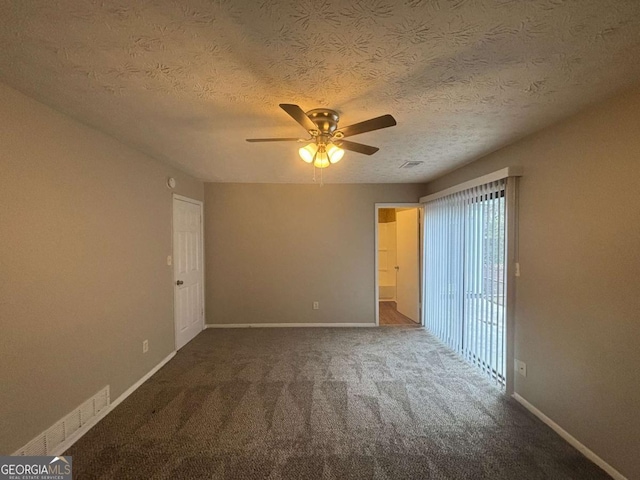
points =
(136, 385)
(286, 325)
(85, 428)
(574, 442)
(77, 435)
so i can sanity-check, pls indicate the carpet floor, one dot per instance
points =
(322, 403)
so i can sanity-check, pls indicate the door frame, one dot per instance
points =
(200, 203)
(420, 208)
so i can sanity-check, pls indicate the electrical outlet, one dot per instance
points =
(145, 346)
(517, 269)
(521, 368)
(316, 305)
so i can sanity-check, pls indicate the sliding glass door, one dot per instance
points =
(465, 287)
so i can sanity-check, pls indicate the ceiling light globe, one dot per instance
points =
(335, 153)
(307, 153)
(322, 160)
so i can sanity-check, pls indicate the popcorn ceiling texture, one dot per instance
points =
(187, 81)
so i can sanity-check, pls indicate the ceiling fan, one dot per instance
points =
(326, 144)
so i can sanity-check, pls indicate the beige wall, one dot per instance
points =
(85, 232)
(578, 297)
(272, 250)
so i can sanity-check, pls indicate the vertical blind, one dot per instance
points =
(464, 288)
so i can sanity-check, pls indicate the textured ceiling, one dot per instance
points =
(188, 80)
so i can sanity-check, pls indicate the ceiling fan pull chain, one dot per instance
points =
(321, 181)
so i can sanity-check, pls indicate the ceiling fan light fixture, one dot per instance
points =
(334, 153)
(308, 152)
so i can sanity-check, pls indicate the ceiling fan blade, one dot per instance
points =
(368, 125)
(299, 116)
(356, 147)
(276, 140)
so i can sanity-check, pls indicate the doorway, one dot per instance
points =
(398, 264)
(188, 269)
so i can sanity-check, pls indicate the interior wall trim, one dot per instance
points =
(147, 376)
(570, 439)
(286, 325)
(476, 182)
(60, 449)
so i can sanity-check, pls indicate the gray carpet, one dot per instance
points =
(319, 403)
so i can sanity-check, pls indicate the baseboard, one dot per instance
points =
(574, 442)
(285, 325)
(136, 385)
(64, 446)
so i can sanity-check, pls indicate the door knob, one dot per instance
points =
(179, 282)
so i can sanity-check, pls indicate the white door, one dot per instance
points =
(188, 270)
(407, 281)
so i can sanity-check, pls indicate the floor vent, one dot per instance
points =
(411, 164)
(65, 431)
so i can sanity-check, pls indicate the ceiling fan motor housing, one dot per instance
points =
(325, 119)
